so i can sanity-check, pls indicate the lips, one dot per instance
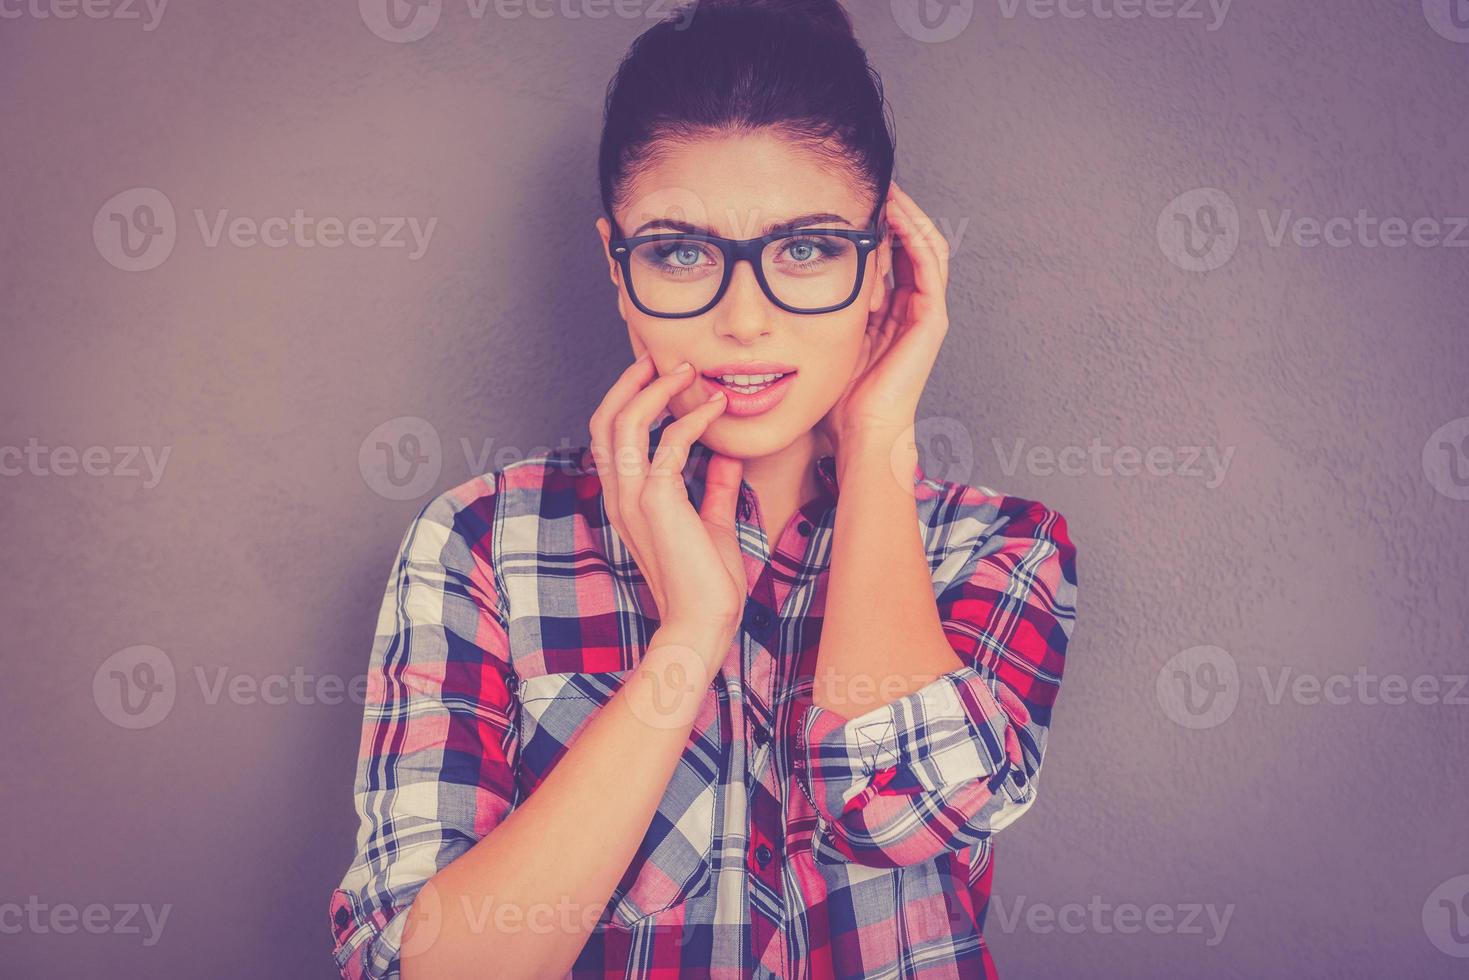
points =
(750, 399)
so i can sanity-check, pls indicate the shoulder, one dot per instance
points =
(535, 506)
(536, 485)
(979, 522)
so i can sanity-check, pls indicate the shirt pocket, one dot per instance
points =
(673, 862)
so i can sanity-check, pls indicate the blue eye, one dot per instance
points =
(685, 255)
(814, 249)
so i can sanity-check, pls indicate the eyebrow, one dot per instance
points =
(790, 224)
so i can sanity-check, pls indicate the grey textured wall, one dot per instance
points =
(1259, 440)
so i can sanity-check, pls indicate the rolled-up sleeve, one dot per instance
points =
(956, 760)
(435, 761)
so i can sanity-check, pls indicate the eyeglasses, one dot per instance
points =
(683, 274)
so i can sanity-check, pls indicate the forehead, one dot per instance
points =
(738, 184)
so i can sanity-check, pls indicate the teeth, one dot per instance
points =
(749, 379)
(748, 384)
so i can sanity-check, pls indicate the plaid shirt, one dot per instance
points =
(790, 842)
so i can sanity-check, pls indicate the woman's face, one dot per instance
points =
(738, 187)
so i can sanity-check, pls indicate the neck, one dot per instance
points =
(786, 479)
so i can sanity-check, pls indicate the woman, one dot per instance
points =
(735, 690)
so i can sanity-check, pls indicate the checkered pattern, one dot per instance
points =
(790, 842)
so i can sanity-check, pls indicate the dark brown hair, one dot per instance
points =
(730, 66)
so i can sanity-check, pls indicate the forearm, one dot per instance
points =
(549, 860)
(881, 636)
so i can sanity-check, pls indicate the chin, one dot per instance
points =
(750, 437)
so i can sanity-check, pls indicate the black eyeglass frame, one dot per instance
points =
(748, 249)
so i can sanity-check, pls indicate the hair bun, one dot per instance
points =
(823, 15)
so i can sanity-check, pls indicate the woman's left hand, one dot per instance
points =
(903, 335)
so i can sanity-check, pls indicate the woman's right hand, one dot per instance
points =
(690, 559)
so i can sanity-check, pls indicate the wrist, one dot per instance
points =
(670, 684)
(708, 639)
(890, 448)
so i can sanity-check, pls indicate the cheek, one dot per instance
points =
(657, 340)
(834, 362)
(846, 348)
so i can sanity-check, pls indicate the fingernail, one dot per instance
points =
(685, 366)
(715, 397)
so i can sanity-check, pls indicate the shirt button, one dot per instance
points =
(763, 855)
(804, 528)
(760, 737)
(757, 619)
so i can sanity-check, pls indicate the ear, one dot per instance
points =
(883, 256)
(614, 270)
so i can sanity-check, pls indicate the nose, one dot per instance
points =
(744, 313)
